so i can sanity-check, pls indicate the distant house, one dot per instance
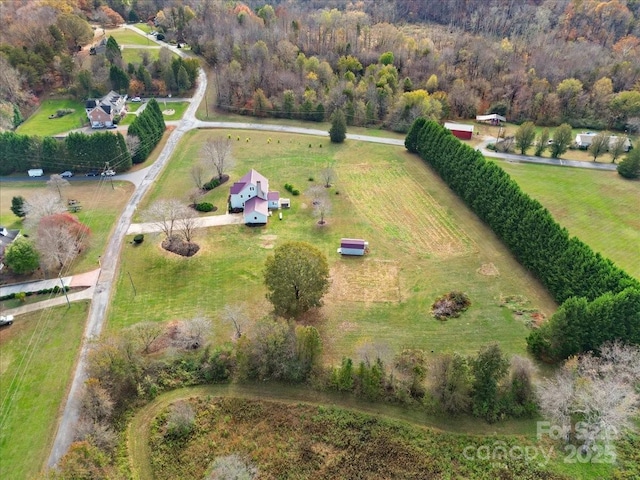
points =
(251, 194)
(493, 118)
(352, 246)
(460, 130)
(6, 238)
(584, 140)
(101, 112)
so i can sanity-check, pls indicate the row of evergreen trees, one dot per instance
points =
(78, 152)
(566, 266)
(149, 127)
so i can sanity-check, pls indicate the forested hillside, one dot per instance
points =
(383, 62)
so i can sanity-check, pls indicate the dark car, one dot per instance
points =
(92, 173)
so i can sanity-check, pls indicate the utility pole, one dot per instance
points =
(64, 290)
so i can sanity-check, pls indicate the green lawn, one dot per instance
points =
(129, 37)
(38, 355)
(423, 241)
(134, 55)
(178, 107)
(40, 124)
(600, 208)
(145, 27)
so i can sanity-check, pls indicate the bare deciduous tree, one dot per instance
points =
(43, 205)
(164, 214)
(600, 391)
(195, 196)
(236, 315)
(57, 245)
(232, 466)
(97, 433)
(617, 147)
(57, 183)
(193, 333)
(328, 174)
(181, 419)
(198, 172)
(96, 404)
(217, 151)
(146, 333)
(322, 208)
(187, 223)
(133, 143)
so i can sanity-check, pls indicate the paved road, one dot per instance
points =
(110, 262)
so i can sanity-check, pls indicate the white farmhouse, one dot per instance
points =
(251, 194)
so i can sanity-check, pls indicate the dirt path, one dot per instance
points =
(138, 429)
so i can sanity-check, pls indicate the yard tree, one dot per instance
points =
(525, 135)
(197, 174)
(327, 174)
(145, 333)
(21, 256)
(17, 206)
(488, 368)
(113, 52)
(599, 145)
(236, 315)
(630, 166)
(217, 151)
(561, 140)
(451, 383)
(542, 142)
(616, 148)
(338, 130)
(41, 206)
(57, 183)
(186, 223)
(297, 277)
(60, 239)
(165, 215)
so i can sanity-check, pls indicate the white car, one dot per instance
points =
(136, 99)
(6, 320)
(108, 173)
(67, 174)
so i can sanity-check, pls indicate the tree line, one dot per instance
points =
(81, 152)
(568, 268)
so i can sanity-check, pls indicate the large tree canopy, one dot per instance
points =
(297, 276)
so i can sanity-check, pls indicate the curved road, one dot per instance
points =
(110, 259)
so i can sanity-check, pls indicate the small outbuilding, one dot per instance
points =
(492, 118)
(460, 130)
(353, 246)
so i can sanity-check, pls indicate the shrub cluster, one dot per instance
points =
(565, 265)
(211, 184)
(149, 127)
(290, 188)
(55, 290)
(450, 305)
(204, 207)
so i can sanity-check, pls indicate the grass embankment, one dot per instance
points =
(38, 354)
(423, 242)
(128, 37)
(40, 124)
(289, 439)
(601, 208)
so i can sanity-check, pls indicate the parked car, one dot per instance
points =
(67, 174)
(108, 173)
(6, 320)
(92, 173)
(136, 99)
(111, 127)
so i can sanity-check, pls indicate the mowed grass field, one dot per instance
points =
(101, 206)
(40, 124)
(423, 243)
(600, 208)
(38, 355)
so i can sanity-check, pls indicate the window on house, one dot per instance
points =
(255, 218)
(240, 196)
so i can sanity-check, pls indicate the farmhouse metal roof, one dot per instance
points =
(460, 127)
(256, 204)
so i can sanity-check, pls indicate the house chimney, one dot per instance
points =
(259, 193)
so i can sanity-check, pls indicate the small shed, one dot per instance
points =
(352, 246)
(285, 203)
(460, 130)
(492, 118)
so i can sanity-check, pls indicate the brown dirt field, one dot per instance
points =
(367, 281)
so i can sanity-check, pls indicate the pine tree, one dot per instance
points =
(338, 130)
